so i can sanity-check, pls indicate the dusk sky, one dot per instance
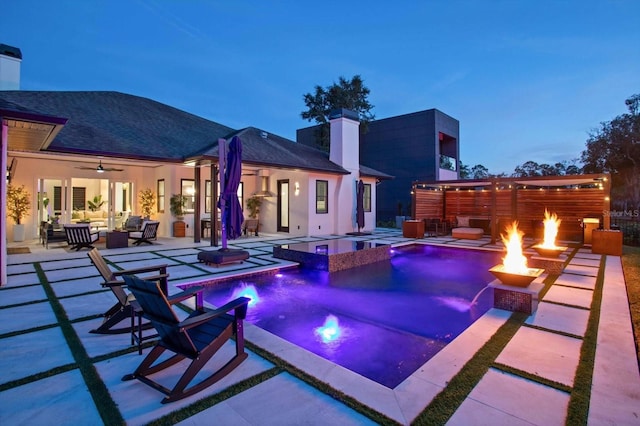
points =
(528, 80)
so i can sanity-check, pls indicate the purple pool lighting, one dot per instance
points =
(383, 320)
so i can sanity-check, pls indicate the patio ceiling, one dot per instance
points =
(29, 131)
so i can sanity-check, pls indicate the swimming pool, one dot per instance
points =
(393, 316)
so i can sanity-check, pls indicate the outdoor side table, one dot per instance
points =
(117, 239)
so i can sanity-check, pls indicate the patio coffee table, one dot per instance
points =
(117, 239)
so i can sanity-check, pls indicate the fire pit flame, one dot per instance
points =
(551, 225)
(514, 262)
(514, 270)
(548, 247)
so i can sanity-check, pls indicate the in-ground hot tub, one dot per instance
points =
(333, 255)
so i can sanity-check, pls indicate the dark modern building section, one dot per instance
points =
(423, 145)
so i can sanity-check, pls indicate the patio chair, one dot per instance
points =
(198, 338)
(79, 235)
(251, 226)
(123, 309)
(147, 233)
(132, 223)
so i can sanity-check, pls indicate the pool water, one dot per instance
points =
(393, 316)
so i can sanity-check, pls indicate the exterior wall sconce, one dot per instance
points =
(297, 189)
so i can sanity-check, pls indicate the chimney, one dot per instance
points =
(344, 139)
(10, 59)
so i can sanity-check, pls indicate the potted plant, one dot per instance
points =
(96, 203)
(147, 199)
(177, 203)
(18, 206)
(253, 204)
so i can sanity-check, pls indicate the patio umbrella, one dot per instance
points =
(360, 205)
(230, 207)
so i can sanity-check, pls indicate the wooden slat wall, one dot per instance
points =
(571, 205)
(428, 204)
(468, 203)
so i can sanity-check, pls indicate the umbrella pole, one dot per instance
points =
(222, 159)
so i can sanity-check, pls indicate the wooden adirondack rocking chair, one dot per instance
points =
(197, 338)
(122, 310)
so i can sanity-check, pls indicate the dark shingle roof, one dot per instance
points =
(263, 148)
(117, 124)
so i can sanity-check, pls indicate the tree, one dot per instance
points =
(479, 172)
(350, 94)
(615, 148)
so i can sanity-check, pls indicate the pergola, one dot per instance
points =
(501, 200)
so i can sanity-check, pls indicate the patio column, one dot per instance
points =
(198, 204)
(4, 142)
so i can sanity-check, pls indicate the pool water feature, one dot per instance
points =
(333, 255)
(392, 316)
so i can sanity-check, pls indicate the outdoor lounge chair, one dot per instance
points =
(79, 235)
(123, 310)
(197, 338)
(251, 226)
(147, 233)
(132, 223)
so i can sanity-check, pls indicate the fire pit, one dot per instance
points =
(514, 270)
(549, 251)
(548, 248)
(516, 279)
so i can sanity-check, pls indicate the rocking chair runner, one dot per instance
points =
(122, 310)
(198, 338)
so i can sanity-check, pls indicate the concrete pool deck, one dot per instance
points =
(41, 379)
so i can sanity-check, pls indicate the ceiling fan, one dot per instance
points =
(100, 168)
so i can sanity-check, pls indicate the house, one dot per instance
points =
(69, 147)
(420, 146)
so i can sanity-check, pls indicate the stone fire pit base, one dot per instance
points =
(516, 299)
(551, 265)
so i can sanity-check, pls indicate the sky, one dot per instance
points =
(527, 80)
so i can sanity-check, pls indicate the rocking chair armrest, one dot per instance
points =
(161, 268)
(184, 295)
(239, 305)
(115, 283)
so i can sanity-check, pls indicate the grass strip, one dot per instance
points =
(442, 407)
(631, 268)
(534, 378)
(322, 386)
(39, 376)
(578, 411)
(105, 405)
(208, 402)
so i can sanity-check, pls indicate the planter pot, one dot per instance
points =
(399, 220)
(18, 232)
(179, 229)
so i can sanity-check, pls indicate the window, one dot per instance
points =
(322, 196)
(189, 191)
(207, 196)
(79, 198)
(160, 196)
(57, 199)
(367, 197)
